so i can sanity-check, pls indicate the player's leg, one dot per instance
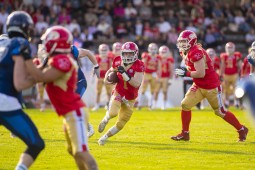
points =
(125, 114)
(40, 89)
(81, 87)
(23, 127)
(109, 92)
(144, 86)
(165, 85)
(226, 91)
(155, 94)
(75, 130)
(114, 107)
(100, 83)
(215, 100)
(192, 97)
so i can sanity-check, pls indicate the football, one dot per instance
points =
(112, 77)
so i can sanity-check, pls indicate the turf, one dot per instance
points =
(144, 143)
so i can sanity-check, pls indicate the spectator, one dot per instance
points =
(250, 37)
(86, 36)
(164, 27)
(172, 37)
(145, 11)
(130, 12)
(138, 28)
(64, 17)
(121, 30)
(119, 11)
(41, 25)
(103, 28)
(74, 26)
(105, 16)
(3, 17)
(90, 17)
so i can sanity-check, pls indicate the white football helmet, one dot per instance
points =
(230, 48)
(129, 47)
(153, 48)
(164, 51)
(116, 48)
(103, 50)
(211, 52)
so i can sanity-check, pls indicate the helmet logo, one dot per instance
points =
(191, 36)
(53, 35)
(127, 45)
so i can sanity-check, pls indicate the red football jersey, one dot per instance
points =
(231, 62)
(216, 63)
(124, 88)
(245, 68)
(61, 92)
(104, 64)
(211, 78)
(165, 63)
(151, 63)
(111, 55)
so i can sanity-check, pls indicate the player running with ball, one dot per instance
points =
(130, 72)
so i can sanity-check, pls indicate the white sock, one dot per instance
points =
(113, 130)
(106, 117)
(21, 166)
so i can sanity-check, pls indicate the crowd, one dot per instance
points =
(142, 21)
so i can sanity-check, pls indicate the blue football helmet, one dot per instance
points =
(19, 22)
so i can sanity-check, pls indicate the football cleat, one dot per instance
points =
(95, 108)
(90, 130)
(182, 136)
(101, 126)
(242, 134)
(102, 140)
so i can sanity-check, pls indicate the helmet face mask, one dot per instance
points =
(116, 48)
(57, 39)
(186, 40)
(230, 48)
(153, 48)
(164, 51)
(129, 53)
(211, 52)
(103, 50)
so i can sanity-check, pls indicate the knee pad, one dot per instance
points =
(35, 148)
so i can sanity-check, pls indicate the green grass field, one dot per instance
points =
(144, 143)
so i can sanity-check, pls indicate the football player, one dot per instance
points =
(215, 59)
(14, 78)
(130, 71)
(152, 68)
(116, 50)
(167, 65)
(229, 71)
(206, 85)
(246, 66)
(60, 76)
(104, 60)
(251, 59)
(82, 83)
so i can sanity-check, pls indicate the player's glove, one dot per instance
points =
(125, 75)
(183, 72)
(96, 71)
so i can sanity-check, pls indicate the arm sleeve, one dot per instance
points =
(75, 52)
(61, 62)
(22, 47)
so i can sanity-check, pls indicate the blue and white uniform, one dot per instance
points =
(82, 82)
(11, 114)
(250, 60)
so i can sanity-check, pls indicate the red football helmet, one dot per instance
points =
(211, 52)
(103, 50)
(153, 48)
(186, 40)
(230, 48)
(116, 48)
(164, 51)
(129, 47)
(57, 39)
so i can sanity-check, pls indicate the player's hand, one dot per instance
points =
(125, 75)
(96, 71)
(183, 72)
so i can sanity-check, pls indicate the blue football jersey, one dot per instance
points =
(9, 48)
(75, 53)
